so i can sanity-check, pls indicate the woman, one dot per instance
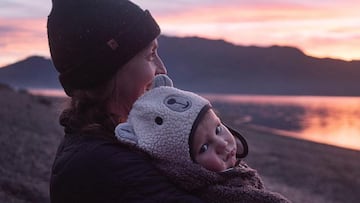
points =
(106, 55)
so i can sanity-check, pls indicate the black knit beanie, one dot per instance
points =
(90, 40)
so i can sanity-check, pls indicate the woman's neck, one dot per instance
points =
(119, 113)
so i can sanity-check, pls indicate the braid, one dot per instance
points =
(87, 111)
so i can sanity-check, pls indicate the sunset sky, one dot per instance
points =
(323, 28)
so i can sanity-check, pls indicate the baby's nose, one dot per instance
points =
(221, 145)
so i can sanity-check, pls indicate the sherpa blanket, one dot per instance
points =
(239, 184)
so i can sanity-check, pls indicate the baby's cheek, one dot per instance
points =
(218, 165)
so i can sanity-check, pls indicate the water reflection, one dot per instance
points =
(330, 120)
(335, 123)
(47, 92)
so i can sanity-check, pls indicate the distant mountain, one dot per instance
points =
(218, 66)
(204, 65)
(33, 72)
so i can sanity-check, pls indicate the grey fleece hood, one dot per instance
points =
(162, 120)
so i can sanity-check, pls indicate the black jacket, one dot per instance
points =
(93, 169)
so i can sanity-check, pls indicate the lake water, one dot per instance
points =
(47, 92)
(329, 120)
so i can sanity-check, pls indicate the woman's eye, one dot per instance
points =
(217, 129)
(151, 56)
(203, 148)
(153, 53)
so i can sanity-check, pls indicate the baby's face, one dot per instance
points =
(213, 146)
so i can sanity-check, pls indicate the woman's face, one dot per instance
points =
(136, 77)
(213, 146)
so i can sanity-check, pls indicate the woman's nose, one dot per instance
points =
(160, 67)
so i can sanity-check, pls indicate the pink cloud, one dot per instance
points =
(21, 38)
(309, 25)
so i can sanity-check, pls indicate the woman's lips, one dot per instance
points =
(148, 87)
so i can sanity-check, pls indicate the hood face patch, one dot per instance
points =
(177, 103)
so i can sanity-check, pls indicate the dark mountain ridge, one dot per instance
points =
(216, 66)
(32, 72)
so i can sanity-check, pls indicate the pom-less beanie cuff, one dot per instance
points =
(90, 40)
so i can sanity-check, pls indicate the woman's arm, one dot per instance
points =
(89, 170)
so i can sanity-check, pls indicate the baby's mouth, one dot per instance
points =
(231, 156)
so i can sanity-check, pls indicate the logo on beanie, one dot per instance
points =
(177, 103)
(113, 44)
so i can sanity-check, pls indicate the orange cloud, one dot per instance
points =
(305, 27)
(319, 29)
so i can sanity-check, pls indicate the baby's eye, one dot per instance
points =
(218, 129)
(203, 148)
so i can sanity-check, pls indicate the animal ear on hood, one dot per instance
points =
(124, 132)
(162, 80)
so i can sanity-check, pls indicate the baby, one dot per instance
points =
(187, 141)
(212, 145)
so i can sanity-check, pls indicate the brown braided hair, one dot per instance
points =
(87, 111)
